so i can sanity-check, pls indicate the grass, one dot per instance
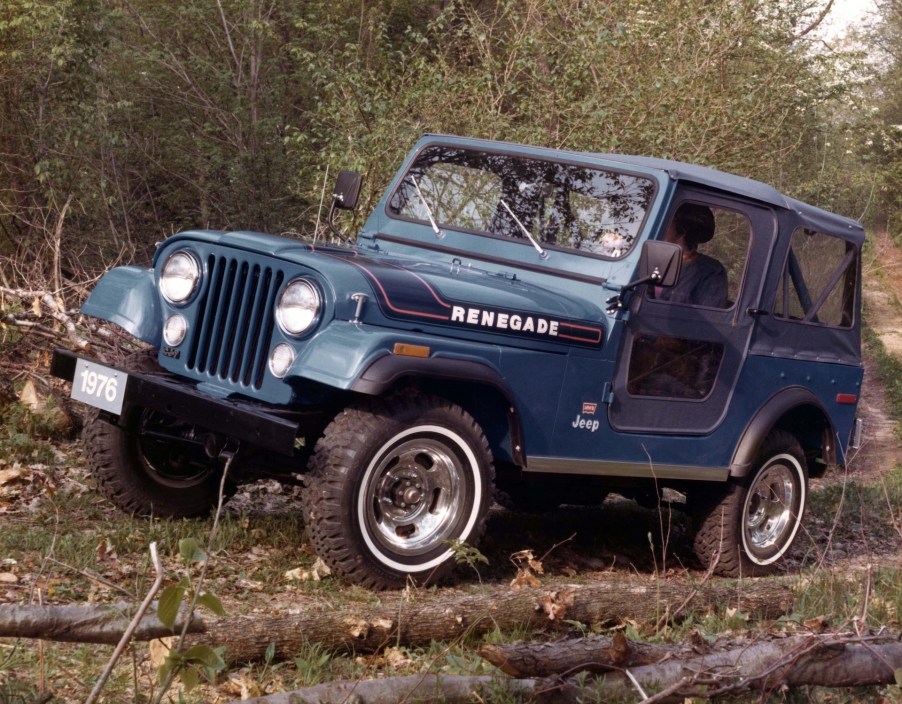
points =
(65, 539)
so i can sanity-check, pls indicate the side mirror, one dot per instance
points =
(659, 264)
(347, 190)
(345, 196)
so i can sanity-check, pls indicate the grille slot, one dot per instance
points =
(235, 321)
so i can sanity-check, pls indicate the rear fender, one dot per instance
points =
(127, 296)
(795, 410)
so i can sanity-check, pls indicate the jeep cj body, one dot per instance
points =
(510, 319)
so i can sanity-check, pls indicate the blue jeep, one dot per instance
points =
(545, 325)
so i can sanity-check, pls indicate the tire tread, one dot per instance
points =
(329, 474)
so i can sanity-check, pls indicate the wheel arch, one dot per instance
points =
(474, 386)
(798, 412)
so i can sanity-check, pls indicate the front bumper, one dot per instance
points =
(238, 419)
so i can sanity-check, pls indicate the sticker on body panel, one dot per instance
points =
(526, 325)
(590, 424)
(583, 422)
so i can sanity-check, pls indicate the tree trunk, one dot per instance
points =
(84, 623)
(410, 619)
(413, 689)
(422, 617)
(596, 654)
(765, 666)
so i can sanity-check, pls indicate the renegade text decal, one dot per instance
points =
(525, 323)
(504, 321)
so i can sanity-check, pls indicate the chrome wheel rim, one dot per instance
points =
(769, 517)
(413, 496)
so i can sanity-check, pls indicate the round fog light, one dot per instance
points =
(280, 360)
(174, 330)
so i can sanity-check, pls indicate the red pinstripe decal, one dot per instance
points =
(388, 302)
(422, 281)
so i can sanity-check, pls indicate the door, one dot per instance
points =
(683, 347)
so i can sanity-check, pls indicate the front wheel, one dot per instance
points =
(393, 484)
(747, 529)
(152, 464)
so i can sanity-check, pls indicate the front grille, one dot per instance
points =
(235, 321)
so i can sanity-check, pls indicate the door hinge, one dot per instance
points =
(607, 394)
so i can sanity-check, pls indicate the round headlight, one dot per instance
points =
(179, 277)
(298, 307)
(280, 360)
(174, 330)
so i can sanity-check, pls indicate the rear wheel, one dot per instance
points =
(747, 529)
(152, 464)
(393, 484)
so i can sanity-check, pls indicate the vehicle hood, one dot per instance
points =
(432, 293)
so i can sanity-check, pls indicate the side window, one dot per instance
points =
(673, 367)
(715, 244)
(819, 280)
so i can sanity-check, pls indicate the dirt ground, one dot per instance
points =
(882, 448)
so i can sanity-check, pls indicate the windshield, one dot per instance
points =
(523, 198)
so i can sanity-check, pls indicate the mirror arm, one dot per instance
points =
(329, 220)
(615, 303)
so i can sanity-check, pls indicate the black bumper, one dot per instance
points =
(241, 420)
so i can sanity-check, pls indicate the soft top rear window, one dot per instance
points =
(563, 205)
(819, 280)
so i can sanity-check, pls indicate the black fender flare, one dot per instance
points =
(766, 418)
(386, 371)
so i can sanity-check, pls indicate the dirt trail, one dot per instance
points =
(883, 305)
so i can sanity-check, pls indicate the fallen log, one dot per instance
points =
(85, 623)
(422, 617)
(412, 619)
(756, 666)
(413, 689)
(593, 654)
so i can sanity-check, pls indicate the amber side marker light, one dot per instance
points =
(846, 398)
(406, 350)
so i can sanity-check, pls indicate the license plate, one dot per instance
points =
(99, 386)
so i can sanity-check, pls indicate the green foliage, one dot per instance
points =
(155, 117)
(465, 554)
(191, 664)
(197, 660)
(25, 435)
(313, 664)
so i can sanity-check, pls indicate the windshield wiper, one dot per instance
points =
(535, 243)
(435, 227)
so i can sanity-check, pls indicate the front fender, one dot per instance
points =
(351, 356)
(127, 296)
